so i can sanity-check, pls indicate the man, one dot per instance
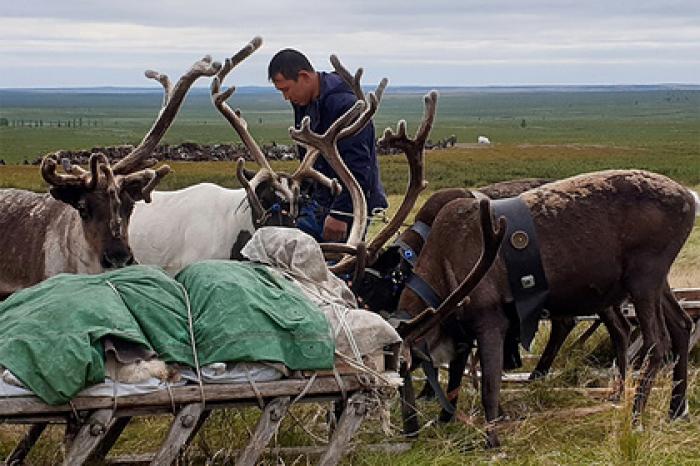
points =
(324, 97)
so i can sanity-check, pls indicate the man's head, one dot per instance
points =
(292, 74)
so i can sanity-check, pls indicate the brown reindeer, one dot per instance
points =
(381, 286)
(82, 225)
(604, 236)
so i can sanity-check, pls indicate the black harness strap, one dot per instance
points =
(521, 252)
(428, 295)
(424, 291)
(431, 375)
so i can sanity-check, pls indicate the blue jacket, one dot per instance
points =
(357, 151)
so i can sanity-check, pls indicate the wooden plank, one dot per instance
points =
(115, 429)
(18, 406)
(25, 445)
(182, 428)
(268, 424)
(88, 438)
(393, 448)
(349, 422)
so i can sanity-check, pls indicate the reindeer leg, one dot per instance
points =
(619, 329)
(679, 325)
(408, 406)
(561, 328)
(490, 342)
(454, 381)
(647, 303)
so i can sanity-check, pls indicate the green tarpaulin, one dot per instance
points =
(50, 334)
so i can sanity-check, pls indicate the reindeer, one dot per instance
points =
(382, 284)
(81, 226)
(206, 221)
(595, 250)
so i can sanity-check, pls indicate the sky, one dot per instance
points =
(66, 43)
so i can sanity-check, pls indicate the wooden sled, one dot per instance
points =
(93, 424)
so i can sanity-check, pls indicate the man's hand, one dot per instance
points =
(334, 229)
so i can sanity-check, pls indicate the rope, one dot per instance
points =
(115, 389)
(194, 346)
(75, 410)
(305, 389)
(117, 367)
(341, 385)
(172, 398)
(361, 367)
(258, 395)
(297, 420)
(341, 313)
(305, 429)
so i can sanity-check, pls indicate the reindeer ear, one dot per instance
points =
(134, 189)
(249, 174)
(68, 194)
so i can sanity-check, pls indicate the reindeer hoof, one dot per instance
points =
(492, 441)
(680, 413)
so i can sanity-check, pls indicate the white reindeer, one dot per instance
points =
(206, 221)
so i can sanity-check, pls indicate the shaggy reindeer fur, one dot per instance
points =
(604, 236)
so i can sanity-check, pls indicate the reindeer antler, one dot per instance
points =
(76, 176)
(219, 98)
(414, 150)
(352, 121)
(140, 157)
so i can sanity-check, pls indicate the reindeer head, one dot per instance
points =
(103, 201)
(105, 195)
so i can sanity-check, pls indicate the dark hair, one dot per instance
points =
(288, 63)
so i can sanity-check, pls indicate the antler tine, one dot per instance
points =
(492, 239)
(234, 117)
(368, 113)
(164, 81)
(423, 131)
(139, 158)
(48, 171)
(255, 204)
(158, 175)
(239, 56)
(352, 81)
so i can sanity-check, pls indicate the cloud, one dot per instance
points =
(49, 43)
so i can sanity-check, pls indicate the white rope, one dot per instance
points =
(117, 367)
(193, 344)
(258, 395)
(363, 368)
(304, 390)
(341, 385)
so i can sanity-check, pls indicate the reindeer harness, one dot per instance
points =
(521, 253)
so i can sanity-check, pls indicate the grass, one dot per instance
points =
(565, 134)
